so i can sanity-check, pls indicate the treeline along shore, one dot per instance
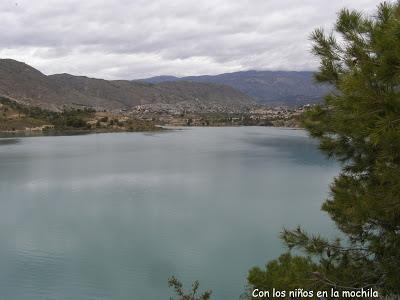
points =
(16, 118)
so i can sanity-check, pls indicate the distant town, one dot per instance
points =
(188, 114)
(34, 102)
(20, 118)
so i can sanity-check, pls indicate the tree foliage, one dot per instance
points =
(359, 124)
(66, 119)
(192, 295)
(285, 273)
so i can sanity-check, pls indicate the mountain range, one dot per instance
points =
(290, 88)
(25, 84)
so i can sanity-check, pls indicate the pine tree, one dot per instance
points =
(359, 125)
(192, 294)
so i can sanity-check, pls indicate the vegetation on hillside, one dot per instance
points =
(15, 117)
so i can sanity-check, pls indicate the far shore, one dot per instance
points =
(27, 133)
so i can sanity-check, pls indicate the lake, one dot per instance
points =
(112, 216)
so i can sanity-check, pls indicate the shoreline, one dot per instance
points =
(163, 128)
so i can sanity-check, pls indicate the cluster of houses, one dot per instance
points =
(181, 114)
(277, 113)
(39, 128)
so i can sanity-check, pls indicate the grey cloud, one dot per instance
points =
(139, 38)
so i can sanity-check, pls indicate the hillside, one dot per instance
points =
(132, 93)
(29, 86)
(265, 87)
(17, 118)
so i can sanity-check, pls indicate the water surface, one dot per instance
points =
(112, 216)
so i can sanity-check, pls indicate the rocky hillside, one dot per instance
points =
(265, 87)
(132, 93)
(21, 82)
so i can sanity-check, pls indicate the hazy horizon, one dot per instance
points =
(163, 75)
(136, 39)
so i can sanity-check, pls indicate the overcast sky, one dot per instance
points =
(130, 39)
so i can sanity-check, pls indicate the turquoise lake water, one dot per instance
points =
(112, 216)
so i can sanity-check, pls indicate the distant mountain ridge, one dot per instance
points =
(290, 88)
(23, 83)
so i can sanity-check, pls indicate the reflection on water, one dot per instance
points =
(112, 216)
(298, 148)
(8, 141)
(18, 134)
